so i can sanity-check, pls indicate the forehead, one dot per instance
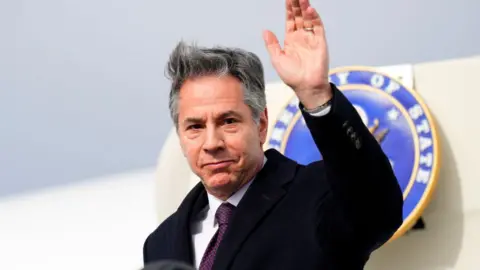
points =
(210, 94)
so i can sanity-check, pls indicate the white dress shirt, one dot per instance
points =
(205, 226)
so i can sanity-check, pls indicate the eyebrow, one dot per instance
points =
(229, 114)
(193, 120)
(197, 120)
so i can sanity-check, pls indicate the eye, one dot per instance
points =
(229, 121)
(194, 126)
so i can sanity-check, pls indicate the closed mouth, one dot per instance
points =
(218, 163)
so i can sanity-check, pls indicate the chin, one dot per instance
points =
(219, 180)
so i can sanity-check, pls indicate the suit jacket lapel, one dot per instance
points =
(182, 244)
(265, 191)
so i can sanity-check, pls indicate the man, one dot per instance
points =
(255, 210)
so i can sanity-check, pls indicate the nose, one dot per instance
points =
(214, 140)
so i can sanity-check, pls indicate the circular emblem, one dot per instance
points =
(395, 115)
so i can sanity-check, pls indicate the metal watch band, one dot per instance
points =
(319, 108)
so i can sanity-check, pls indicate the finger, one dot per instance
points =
(317, 23)
(272, 44)
(290, 23)
(297, 14)
(307, 19)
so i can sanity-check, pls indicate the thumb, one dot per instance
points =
(272, 45)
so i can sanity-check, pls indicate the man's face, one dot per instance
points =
(218, 135)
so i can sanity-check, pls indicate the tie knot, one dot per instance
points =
(224, 212)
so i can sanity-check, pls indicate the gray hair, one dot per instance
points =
(191, 61)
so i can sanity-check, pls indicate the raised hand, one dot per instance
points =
(303, 61)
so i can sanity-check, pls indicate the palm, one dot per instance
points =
(303, 61)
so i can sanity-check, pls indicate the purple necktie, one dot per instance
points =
(222, 216)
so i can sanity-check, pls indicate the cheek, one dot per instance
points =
(191, 152)
(243, 145)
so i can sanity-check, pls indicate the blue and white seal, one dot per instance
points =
(396, 116)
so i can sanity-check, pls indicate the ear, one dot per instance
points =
(183, 151)
(263, 126)
(182, 145)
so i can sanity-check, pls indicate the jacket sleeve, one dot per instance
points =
(145, 251)
(358, 172)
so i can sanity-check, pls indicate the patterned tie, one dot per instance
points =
(222, 216)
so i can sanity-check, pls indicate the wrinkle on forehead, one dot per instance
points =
(210, 96)
(212, 87)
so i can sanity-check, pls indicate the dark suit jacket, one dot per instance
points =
(330, 214)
